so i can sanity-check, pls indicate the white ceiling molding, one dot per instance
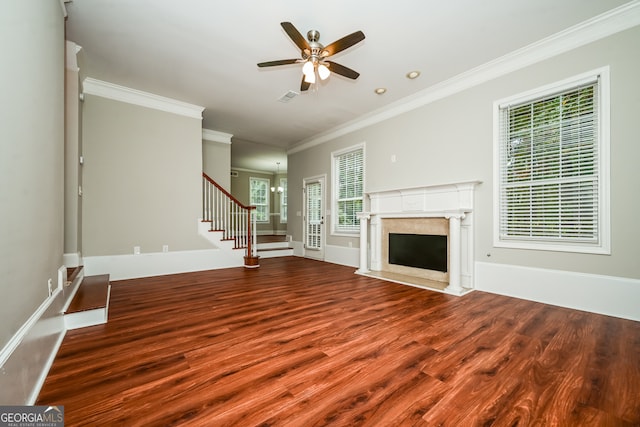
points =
(216, 136)
(144, 99)
(261, 172)
(599, 27)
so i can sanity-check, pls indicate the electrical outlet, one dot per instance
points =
(165, 248)
(136, 250)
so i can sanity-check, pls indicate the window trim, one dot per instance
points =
(603, 246)
(334, 189)
(268, 197)
(284, 196)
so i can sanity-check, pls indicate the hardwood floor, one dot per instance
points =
(303, 343)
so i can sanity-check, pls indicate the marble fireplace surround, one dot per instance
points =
(439, 209)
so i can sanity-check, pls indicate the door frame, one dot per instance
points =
(317, 254)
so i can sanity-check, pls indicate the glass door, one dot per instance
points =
(314, 218)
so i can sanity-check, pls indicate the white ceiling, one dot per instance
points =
(205, 52)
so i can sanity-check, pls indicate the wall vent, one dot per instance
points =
(234, 174)
(288, 96)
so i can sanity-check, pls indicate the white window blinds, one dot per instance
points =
(549, 177)
(349, 169)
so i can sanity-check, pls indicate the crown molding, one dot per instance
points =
(137, 97)
(258, 171)
(216, 136)
(601, 26)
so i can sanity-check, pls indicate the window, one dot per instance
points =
(259, 197)
(551, 149)
(283, 200)
(348, 175)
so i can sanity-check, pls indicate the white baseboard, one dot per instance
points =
(298, 248)
(121, 267)
(342, 255)
(26, 359)
(333, 254)
(71, 259)
(609, 295)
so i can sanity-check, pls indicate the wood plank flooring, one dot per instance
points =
(299, 342)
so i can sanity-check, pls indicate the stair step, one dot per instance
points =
(279, 248)
(275, 252)
(274, 245)
(92, 294)
(72, 273)
(90, 304)
(271, 238)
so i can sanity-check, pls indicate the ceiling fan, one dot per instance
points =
(314, 55)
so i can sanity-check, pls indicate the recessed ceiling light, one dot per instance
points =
(413, 74)
(380, 90)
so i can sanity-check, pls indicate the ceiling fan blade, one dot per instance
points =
(295, 35)
(334, 67)
(279, 62)
(304, 85)
(342, 44)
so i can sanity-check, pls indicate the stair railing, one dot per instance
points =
(225, 213)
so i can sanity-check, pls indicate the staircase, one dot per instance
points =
(271, 246)
(227, 215)
(89, 301)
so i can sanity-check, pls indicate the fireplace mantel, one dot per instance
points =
(451, 201)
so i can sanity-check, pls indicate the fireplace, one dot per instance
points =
(425, 251)
(438, 219)
(415, 231)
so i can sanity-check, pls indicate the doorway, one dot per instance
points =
(313, 220)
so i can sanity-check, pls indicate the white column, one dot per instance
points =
(454, 256)
(364, 241)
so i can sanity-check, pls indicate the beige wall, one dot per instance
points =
(31, 157)
(142, 179)
(450, 140)
(216, 162)
(240, 190)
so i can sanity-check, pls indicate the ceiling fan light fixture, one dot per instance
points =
(310, 78)
(307, 68)
(323, 71)
(313, 52)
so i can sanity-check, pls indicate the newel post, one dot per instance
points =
(251, 259)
